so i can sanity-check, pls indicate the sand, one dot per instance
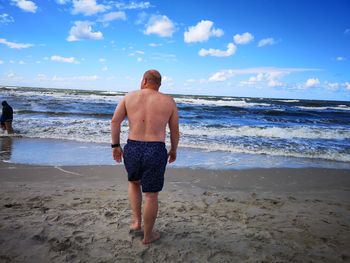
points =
(82, 214)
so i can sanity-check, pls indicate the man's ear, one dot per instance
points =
(143, 83)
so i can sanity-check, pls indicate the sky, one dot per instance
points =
(298, 49)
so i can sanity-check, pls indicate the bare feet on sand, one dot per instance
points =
(154, 237)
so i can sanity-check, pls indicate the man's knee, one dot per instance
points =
(150, 195)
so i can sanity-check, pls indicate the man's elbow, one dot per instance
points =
(115, 123)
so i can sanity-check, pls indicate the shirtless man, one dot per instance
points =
(145, 156)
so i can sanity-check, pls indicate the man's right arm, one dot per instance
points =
(174, 133)
(117, 119)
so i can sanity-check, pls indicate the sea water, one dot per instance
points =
(216, 132)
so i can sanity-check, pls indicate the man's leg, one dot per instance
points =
(149, 218)
(8, 125)
(135, 198)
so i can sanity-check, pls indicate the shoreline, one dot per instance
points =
(81, 213)
(41, 151)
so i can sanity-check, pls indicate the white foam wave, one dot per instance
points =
(339, 107)
(64, 96)
(230, 103)
(269, 132)
(85, 130)
(330, 155)
(290, 101)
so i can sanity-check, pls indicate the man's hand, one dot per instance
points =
(117, 154)
(172, 156)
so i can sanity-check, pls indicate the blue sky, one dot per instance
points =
(259, 48)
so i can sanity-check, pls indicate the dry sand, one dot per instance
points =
(81, 214)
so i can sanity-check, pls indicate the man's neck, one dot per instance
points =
(150, 88)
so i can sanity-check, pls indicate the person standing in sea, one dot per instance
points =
(145, 155)
(6, 117)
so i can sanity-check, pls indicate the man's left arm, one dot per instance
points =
(117, 119)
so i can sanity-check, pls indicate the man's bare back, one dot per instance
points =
(148, 113)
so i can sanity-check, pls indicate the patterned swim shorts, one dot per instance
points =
(146, 162)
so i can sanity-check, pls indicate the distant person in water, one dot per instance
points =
(145, 156)
(6, 117)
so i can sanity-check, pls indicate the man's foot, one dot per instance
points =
(154, 237)
(135, 226)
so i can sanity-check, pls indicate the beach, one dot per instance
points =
(82, 214)
(255, 180)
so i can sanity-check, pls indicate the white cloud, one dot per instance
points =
(113, 16)
(155, 44)
(71, 60)
(62, 2)
(202, 32)
(137, 52)
(266, 41)
(339, 58)
(219, 76)
(164, 57)
(274, 72)
(332, 85)
(160, 25)
(270, 79)
(105, 68)
(83, 30)
(1, 62)
(75, 78)
(133, 5)
(141, 18)
(167, 81)
(347, 85)
(231, 49)
(21, 62)
(5, 19)
(87, 78)
(25, 5)
(312, 82)
(245, 38)
(87, 7)
(102, 60)
(14, 45)
(41, 77)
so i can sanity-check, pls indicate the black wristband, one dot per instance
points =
(115, 145)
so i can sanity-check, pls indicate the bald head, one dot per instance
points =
(151, 79)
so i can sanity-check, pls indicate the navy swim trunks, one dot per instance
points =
(146, 162)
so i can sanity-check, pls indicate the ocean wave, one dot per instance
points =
(63, 95)
(330, 155)
(269, 132)
(288, 101)
(44, 111)
(326, 108)
(229, 103)
(84, 130)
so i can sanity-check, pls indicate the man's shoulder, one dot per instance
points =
(131, 94)
(166, 96)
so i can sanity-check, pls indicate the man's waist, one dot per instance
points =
(131, 141)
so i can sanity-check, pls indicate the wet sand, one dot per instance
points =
(81, 214)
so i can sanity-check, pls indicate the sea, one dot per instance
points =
(72, 127)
